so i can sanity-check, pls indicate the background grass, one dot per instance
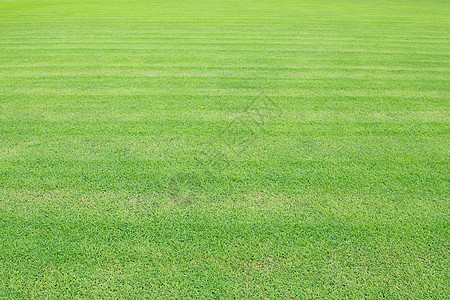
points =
(132, 167)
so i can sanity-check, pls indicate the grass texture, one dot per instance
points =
(212, 149)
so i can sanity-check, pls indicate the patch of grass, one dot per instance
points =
(220, 149)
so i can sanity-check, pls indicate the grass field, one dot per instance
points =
(218, 149)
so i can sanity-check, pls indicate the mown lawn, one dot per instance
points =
(218, 149)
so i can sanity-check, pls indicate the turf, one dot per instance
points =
(219, 149)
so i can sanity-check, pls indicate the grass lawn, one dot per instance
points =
(212, 149)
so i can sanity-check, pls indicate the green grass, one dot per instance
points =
(131, 165)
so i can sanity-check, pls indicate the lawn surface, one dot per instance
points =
(219, 149)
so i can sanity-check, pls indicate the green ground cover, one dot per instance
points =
(219, 149)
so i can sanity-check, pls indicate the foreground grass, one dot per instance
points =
(219, 149)
(112, 245)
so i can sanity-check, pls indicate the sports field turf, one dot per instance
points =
(218, 149)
